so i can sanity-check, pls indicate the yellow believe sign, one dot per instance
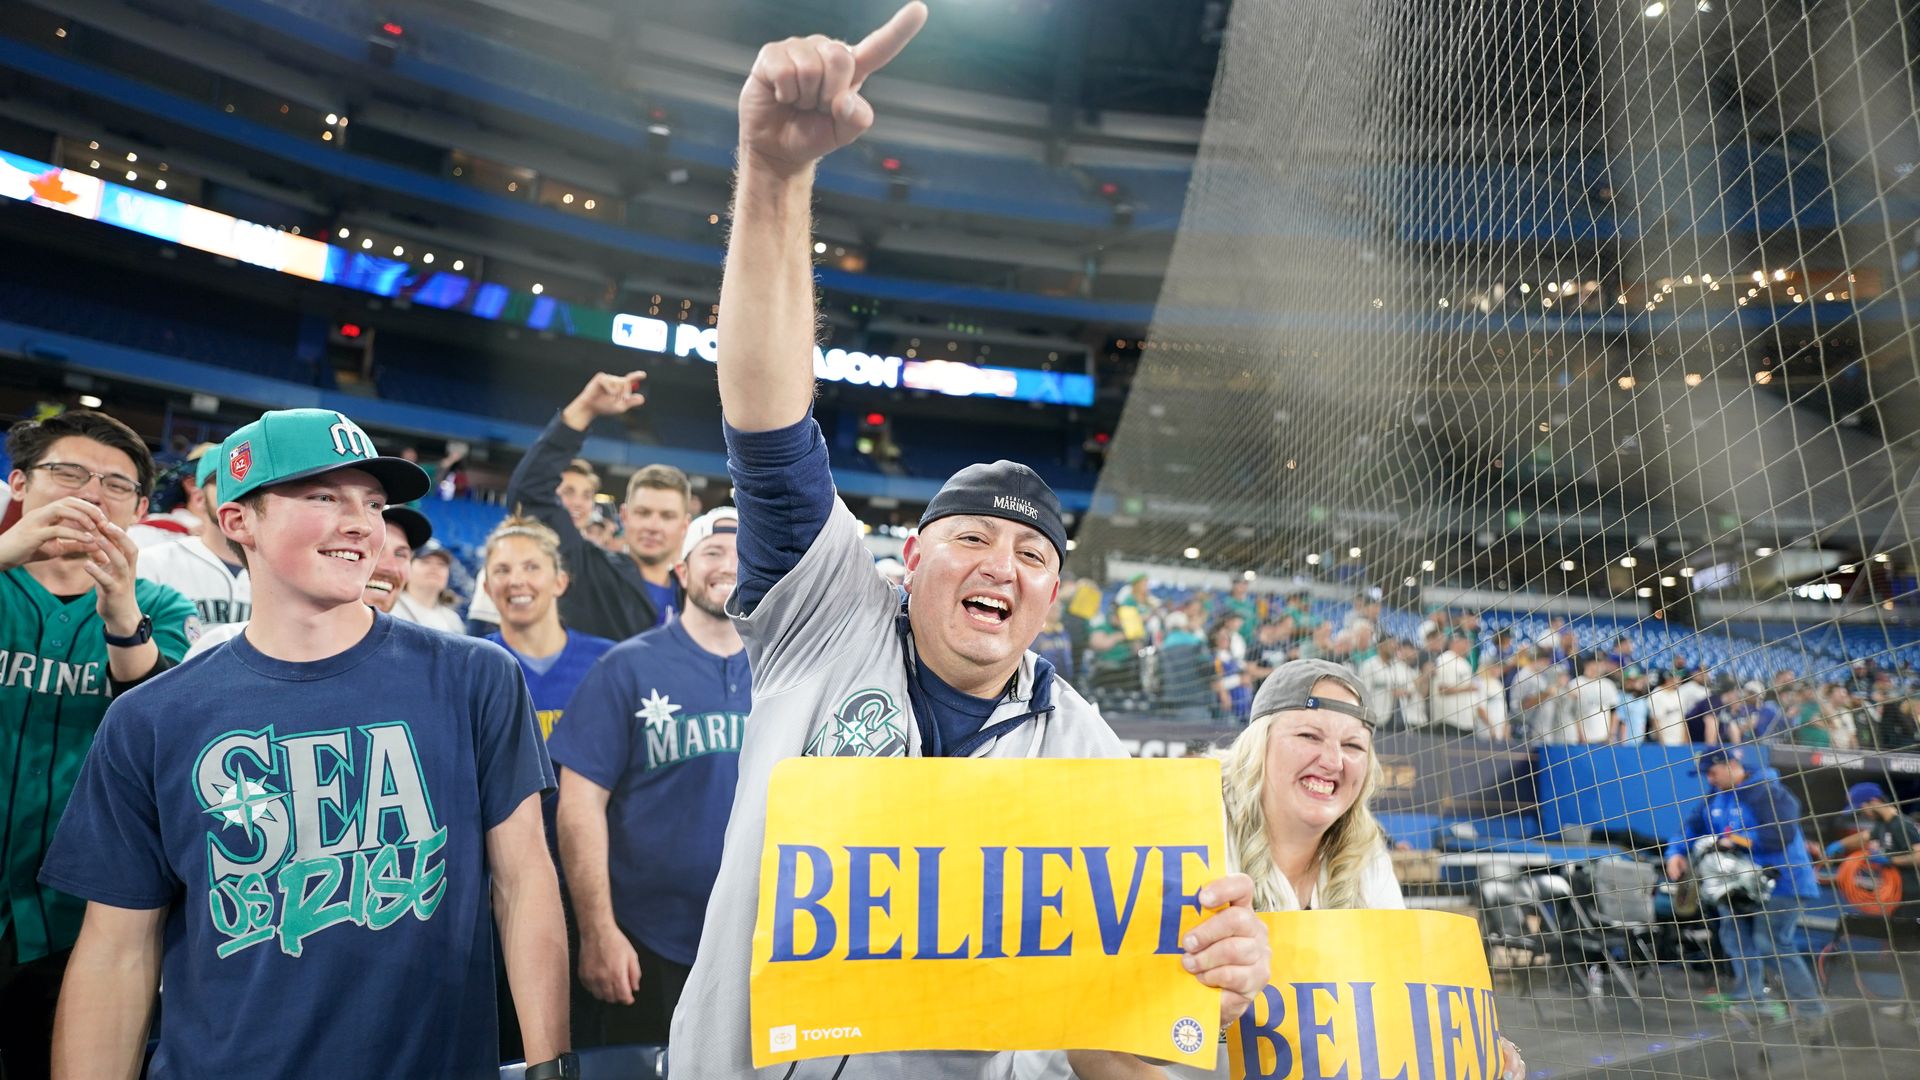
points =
(939, 904)
(1393, 995)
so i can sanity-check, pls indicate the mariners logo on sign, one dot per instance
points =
(240, 460)
(1187, 1035)
(867, 724)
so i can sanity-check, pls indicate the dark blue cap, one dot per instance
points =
(1006, 490)
(1719, 755)
(1864, 792)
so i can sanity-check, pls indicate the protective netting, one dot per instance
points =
(1528, 314)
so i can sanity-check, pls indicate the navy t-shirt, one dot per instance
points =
(554, 687)
(663, 601)
(318, 832)
(658, 723)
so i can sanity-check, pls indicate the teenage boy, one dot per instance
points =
(317, 826)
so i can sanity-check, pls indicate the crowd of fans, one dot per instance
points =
(1201, 655)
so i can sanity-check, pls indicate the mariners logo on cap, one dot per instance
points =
(240, 460)
(349, 440)
(1015, 504)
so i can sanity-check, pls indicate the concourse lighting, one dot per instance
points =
(1686, 571)
(1191, 553)
(133, 157)
(459, 264)
(1628, 562)
(1882, 557)
(1427, 566)
(1353, 553)
(159, 185)
(427, 258)
(398, 251)
(1846, 568)
(1568, 565)
(131, 175)
(1409, 582)
(1643, 592)
(333, 118)
(1694, 378)
(366, 245)
(1669, 582)
(1655, 10)
(1313, 558)
(88, 401)
(1249, 575)
(1763, 552)
(538, 288)
(344, 233)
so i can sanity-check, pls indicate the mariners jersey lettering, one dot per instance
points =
(658, 724)
(321, 829)
(54, 687)
(220, 594)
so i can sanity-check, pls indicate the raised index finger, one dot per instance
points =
(877, 49)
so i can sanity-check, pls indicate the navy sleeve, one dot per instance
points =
(536, 480)
(594, 736)
(511, 760)
(783, 489)
(108, 846)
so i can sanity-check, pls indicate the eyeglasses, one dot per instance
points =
(74, 477)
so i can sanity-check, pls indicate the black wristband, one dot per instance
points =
(141, 634)
(564, 1067)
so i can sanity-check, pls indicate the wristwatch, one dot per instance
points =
(140, 636)
(564, 1067)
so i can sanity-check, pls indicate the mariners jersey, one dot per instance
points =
(53, 691)
(221, 594)
(658, 723)
(318, 832)
(830, 679)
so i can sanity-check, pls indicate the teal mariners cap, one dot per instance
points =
(296, 444)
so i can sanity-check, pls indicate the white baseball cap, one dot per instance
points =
(723, 519)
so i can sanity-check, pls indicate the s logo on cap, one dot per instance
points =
(240, 460)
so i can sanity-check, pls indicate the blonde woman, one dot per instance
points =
(1296, 784)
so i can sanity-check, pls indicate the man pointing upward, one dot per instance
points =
(842, 664)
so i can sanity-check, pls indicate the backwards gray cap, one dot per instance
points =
(1291, 687)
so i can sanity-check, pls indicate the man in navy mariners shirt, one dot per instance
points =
(312, 830)
(648, 753)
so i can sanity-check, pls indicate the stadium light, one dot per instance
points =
(344, 233)
(1669, 582)
(398, 251)
(1249, 575)
(88, 401)
(1643, 592)
(1568, 565)
(1353, 553)
(459, 264)
(1763, 552)
(1846, 568)
(1882, 557)
(1628, 562)
(333, 118)
(1313, 558)
(131, 175)
(1655, 10)
(366, 245)
(1409, 582)
(538, 288)
(133, 156)
(159, 185)
(427, 258)
(1191, 553)
(1427, 566)
(1686, 571)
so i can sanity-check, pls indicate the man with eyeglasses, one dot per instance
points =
(77, 626)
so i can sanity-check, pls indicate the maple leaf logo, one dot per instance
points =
(48, 187)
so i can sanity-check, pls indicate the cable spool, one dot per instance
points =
(1867, 888)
